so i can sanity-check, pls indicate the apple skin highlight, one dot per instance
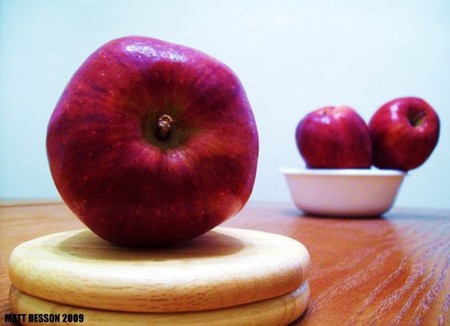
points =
(113, 168)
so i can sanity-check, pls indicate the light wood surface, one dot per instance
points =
(392, 270)
(277, 311)
(222, 268)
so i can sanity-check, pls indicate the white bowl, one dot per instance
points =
(343, 192)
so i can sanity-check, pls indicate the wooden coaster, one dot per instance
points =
(225, 267)
(277, 311)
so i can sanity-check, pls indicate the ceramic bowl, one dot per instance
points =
(343, 192)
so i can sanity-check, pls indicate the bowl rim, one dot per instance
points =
(370, 172)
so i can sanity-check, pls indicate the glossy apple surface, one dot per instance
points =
(152, 143)
(334, 137)
(404, 133)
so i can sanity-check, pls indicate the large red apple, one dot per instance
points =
(334, 137)
(404, 133)
(152, 143)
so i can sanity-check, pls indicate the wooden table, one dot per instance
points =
(392, 270)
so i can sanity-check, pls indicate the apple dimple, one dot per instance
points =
(417, 118)
(163, 131)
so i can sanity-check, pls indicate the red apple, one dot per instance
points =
(404, 133)
(334, 137)
(152, 143)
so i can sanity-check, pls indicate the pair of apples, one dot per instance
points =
(153, 143)
(401, 135)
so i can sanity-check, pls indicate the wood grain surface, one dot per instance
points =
(391, 270)
(222, 268)
(276, 311)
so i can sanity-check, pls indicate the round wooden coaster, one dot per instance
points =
(282, 310)
(223, 268)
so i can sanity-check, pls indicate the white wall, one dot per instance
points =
(292, 57)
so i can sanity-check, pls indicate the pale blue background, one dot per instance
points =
(291, 56)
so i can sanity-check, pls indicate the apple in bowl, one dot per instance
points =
(334, 137)
(339, 149)
(152, 143)
(404, 133)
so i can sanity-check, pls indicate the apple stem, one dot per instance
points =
(164, 126)
(417, 119)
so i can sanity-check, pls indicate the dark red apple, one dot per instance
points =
(404, 133)
(152, 143)
(334, 137)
